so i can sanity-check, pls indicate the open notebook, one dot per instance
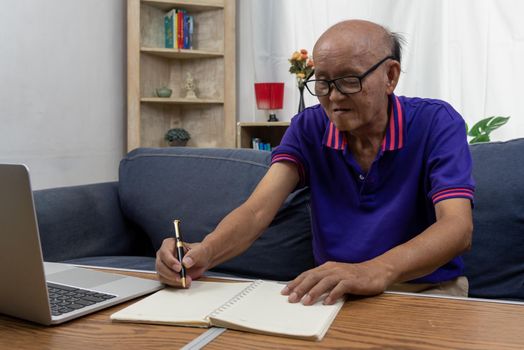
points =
(247, 306)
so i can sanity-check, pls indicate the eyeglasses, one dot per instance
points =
(347, 85)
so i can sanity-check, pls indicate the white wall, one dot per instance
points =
(62, 88)
(467, 52)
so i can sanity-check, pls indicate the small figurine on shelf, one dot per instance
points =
(190, 86)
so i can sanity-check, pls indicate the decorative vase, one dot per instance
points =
(178, 143)
(163, 92)
(301, 104)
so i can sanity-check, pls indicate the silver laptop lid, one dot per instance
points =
(23, 293)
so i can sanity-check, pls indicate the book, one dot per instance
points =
(180, 29)
(188, 31)
(170, 29)
(256, 307)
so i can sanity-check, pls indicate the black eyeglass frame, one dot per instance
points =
(334, 81)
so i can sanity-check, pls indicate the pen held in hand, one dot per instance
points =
(180, 252)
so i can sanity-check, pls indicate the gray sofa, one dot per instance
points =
(122, 224)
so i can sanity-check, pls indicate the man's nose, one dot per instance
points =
(334, 93)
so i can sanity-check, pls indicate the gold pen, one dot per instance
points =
(180, 252)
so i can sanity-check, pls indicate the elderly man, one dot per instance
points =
(390, 181)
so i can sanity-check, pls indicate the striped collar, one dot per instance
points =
(393, 139)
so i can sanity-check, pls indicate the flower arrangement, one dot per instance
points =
(302, 66)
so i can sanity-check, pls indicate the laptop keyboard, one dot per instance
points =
(65, 299)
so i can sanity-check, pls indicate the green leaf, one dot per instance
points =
(479, 127)
(495, 123)
(480, 138)
(481, 130)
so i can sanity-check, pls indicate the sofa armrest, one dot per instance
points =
(86, 220)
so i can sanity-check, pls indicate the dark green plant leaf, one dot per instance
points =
(487, 125)
(480, 138)
(495, 123)
(479, 127)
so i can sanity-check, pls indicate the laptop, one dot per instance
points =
(44, 292)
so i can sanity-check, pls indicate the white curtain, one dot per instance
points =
(469, 53)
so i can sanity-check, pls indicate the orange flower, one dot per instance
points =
(301, 65)
(295, 56)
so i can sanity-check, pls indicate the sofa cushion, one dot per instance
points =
(495, 264)
(200, 187)
(86, 220)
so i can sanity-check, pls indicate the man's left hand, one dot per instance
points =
(337, 279)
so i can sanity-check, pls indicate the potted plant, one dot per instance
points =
(481, 130)
(177, 137)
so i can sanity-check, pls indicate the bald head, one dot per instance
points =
(360, 38)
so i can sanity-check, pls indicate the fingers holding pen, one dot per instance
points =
(167, 265)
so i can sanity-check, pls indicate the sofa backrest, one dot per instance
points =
(495, 264)
(200, 187)
(85, 221)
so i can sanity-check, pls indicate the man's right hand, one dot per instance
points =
(196, 260)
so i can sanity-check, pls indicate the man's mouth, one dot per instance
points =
(341, 110)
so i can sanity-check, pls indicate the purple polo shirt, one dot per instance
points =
(356, 216)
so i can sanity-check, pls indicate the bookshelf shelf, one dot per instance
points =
(181, 101)
(180, 53)
(193, 6)
(211, 118)
(270, 132)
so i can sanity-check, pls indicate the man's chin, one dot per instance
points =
(343, 124)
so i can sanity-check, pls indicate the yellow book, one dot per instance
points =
(246, 306)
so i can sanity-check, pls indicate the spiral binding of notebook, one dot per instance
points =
(235, 299)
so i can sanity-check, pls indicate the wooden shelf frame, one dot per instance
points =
(192, 6)
(270, 132)
(184, 101)
(211, 118)
(180, 53)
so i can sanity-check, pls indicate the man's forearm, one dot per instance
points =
(438, 244)
(235, 234)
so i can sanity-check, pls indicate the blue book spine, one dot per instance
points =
(191, 26)
(169, 26)
(186, 32)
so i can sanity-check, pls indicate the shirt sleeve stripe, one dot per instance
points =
(453, 193)
(448, 190)
(283, 157)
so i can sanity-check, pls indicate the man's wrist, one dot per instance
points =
(208, 246)
(387, 271)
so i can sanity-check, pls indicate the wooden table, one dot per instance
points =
(391, 321)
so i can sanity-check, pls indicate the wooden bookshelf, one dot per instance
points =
(211, 117)
(269, 132)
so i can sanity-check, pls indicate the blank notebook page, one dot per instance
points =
(262, 308)
(181, 306)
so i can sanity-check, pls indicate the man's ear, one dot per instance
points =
(393, 75)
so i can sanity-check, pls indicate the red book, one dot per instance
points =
(180, 29)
